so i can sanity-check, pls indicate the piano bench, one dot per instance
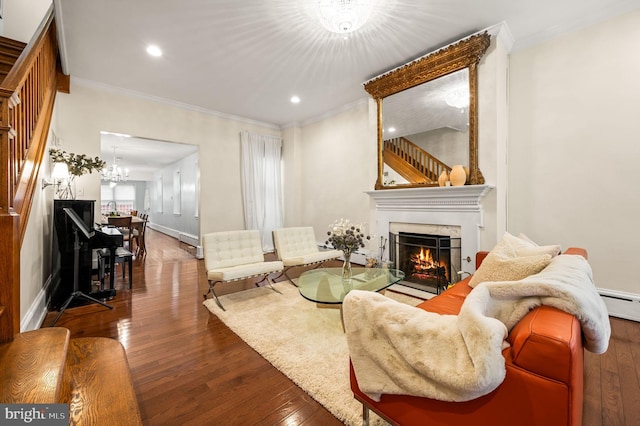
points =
(123, 256)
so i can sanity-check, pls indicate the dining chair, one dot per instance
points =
(123, 223)
(138, 234)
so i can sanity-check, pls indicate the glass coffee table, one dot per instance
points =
(325, 285)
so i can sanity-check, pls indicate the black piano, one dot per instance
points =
(63, 253)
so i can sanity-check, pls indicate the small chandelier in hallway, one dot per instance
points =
(114, 173)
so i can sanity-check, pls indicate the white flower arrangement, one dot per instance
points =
(345, 236)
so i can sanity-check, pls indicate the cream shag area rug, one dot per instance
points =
(303, 340)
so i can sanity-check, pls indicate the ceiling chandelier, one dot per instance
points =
(344, 16)
(113, 173)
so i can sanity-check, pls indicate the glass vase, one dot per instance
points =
(67, 190)
(346, 267)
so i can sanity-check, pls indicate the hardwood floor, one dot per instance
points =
(187, 366)
(190, 369)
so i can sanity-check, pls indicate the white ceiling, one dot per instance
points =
(248, 57)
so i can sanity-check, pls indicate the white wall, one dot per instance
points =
(36, 249)
(574, 151)
(22, 17)
(492, 136)
(446, 144)
(89, 109)
(336, 164)
(187, 220)
(292, 169)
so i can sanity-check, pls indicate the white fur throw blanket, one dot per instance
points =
(400, 349)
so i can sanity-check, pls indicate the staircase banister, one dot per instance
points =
(420, 160)
(27, 96)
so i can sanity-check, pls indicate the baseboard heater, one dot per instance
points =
(621, 305)
(192, 240)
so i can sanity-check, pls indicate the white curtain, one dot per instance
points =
(262, 184)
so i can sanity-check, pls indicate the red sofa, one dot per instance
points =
(543, 384)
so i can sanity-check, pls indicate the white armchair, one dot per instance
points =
(298, 247)
(235, 255)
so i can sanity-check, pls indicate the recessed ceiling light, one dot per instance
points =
(295, 100)
(392, 129)
(154, 50)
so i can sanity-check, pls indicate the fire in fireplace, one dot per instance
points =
(430, 262)
(423, 267)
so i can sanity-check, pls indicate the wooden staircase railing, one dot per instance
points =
(89, 374)
(27, 95)
(412, 162)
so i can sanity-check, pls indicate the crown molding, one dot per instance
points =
(164, 101)
(328, 114)
(502, 32)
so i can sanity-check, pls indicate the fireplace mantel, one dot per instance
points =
(456, 198)
(450, 205)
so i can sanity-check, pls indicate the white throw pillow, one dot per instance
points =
(523, 246)
(513, 259)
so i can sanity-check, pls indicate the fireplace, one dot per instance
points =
(452, 211)
(430, 262)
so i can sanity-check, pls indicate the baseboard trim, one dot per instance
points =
(621, 304)
(165, 230)
(37, 311)
(192, 240)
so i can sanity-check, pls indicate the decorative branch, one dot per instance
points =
(78, 164)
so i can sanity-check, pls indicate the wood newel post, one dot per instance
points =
(10, 276)
(9, 227)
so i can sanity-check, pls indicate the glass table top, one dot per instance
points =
(325, 285)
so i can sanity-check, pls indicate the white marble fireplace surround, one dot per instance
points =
(437, 207)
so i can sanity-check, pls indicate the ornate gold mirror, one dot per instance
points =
(430, 119)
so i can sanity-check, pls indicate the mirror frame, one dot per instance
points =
(464, 54)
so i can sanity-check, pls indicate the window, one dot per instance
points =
(262, 184)
(120, 198)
